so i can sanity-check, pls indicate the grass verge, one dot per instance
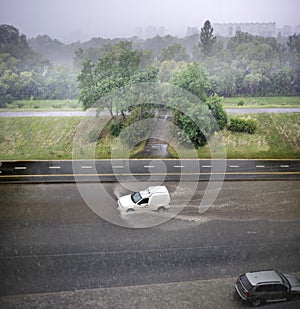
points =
(34, 138)
(43, 105)
(249, 102)
(277, 136)
(37, 137)
(262, 102)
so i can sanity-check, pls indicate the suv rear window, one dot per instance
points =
(245, 282)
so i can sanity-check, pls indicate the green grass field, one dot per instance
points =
(261, 102)
(254, 102)
(43, 105)
(37, 138)
(277, 136)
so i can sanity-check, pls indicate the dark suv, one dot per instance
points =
(267, 286)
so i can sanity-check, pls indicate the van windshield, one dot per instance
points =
(136, 196)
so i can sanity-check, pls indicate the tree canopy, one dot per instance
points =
(174, 52)
(118, 67)
(204, 117)
(193, 78)
(207, 38)
(241, 65)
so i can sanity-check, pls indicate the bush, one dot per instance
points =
(241, 103)
(137, 126)
(217, 110)
(115, 128)
(242, 125)
(93, 136)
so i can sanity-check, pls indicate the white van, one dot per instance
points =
(154, 198)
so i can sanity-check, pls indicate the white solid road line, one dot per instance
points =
(20, 167)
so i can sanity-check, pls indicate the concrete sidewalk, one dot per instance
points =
(216, 293)
(213, 293)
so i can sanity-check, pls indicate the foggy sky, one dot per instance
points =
(119, 18)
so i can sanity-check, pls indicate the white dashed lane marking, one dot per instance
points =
(54, 167)
(86, 166)
(20, 167)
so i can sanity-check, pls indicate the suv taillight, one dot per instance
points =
(247, 294)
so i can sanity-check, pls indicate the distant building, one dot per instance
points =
(149, 32)
(287, 30)
(230, 29)
(297, 29)
(192, 31)
(139, 32)
(161, 31)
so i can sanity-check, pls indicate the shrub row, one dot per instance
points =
(242, 125)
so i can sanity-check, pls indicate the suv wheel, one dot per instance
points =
(256, 302)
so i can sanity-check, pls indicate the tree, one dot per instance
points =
(294, 44)
(175, 52)
(202, 118)
(16, 45)
(256, 84)
(238, 39)
(168, 68)
(217, 110)
(137, 126)
(194, 78)
(29, 85)
(195, 126)
(207, 38)
(12, 42)
(60, 83)
(117, 68)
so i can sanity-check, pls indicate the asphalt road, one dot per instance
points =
(172, 169)
(51, 241)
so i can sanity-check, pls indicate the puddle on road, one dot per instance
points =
(154, 151)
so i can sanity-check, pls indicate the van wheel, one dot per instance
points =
(161, 209)
(130, 210)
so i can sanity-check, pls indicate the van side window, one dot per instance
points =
(144, 201)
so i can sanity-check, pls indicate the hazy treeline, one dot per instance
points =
(25, 73)
(243, 65)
